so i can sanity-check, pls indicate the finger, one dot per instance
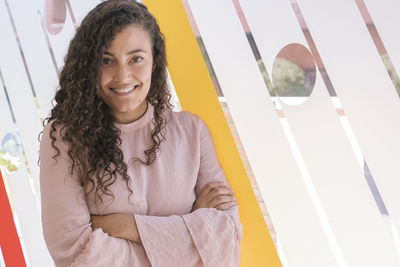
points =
(210, 186)
(205, 200)
(218, 200)
(225, 206)
(209, 192)
(220, 191)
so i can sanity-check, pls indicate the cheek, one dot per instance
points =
(105, 78)
(145, 72)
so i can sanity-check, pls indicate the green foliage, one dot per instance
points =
(9, 153)
(266, 78)
(289, 79)
(9, 162)
(392, 72)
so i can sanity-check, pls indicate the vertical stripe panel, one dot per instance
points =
(60, 41)
(20, 94)
(261, 133)
(81, 8)
(354, 217)
(33, 43)
(364, 88)
(196, 93)
(385, 16)
(24, 202)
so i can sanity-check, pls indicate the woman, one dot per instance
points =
(124, 180)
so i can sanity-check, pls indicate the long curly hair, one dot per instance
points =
(84, 121)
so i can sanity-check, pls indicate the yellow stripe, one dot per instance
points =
(196, 94)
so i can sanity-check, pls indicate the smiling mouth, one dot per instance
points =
(125, 90)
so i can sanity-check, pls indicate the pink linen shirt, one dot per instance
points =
(163, 195)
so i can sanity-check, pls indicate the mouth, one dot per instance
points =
(124, 91)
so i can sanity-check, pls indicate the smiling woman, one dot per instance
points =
(125, 181)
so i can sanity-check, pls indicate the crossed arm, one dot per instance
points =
(216, 195)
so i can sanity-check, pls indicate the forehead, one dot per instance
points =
(131, 37)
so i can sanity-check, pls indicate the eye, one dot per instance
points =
(106, 61)
(137, 59)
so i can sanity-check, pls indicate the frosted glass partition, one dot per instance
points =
(20, 94)
(262, 136)
(34, 46)
(364, 88)
(386, 19)
(81, 8)
(325, 147)
(24, 202)
(354, 231)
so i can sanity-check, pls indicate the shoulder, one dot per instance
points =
(188, 123)
(51, 139)
(48, 130)
(185, 124)
(186, 119)
(52, 130)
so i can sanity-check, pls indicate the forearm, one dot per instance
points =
(130, 231)
(119, 225)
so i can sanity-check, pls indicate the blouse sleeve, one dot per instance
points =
(207, 235)
(66, 219)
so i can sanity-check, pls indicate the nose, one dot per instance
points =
(123, 74)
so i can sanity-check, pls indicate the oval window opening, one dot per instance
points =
(293, 74)
(55, 13)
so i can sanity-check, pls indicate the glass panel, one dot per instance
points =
(364, 88)
(262, 136)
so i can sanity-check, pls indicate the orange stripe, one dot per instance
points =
(196, 93)
(9, 240)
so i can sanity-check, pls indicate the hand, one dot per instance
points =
(218, 195)
(119, 225)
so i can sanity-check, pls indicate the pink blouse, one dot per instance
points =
(163, 195)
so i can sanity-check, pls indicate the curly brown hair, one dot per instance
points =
(85, 121)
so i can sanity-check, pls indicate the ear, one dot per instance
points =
(153, 68)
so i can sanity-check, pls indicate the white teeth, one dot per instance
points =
(124, 90)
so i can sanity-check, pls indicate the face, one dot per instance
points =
(126, 73)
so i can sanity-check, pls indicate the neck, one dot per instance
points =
(128, 117)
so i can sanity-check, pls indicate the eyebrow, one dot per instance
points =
(129, 53)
